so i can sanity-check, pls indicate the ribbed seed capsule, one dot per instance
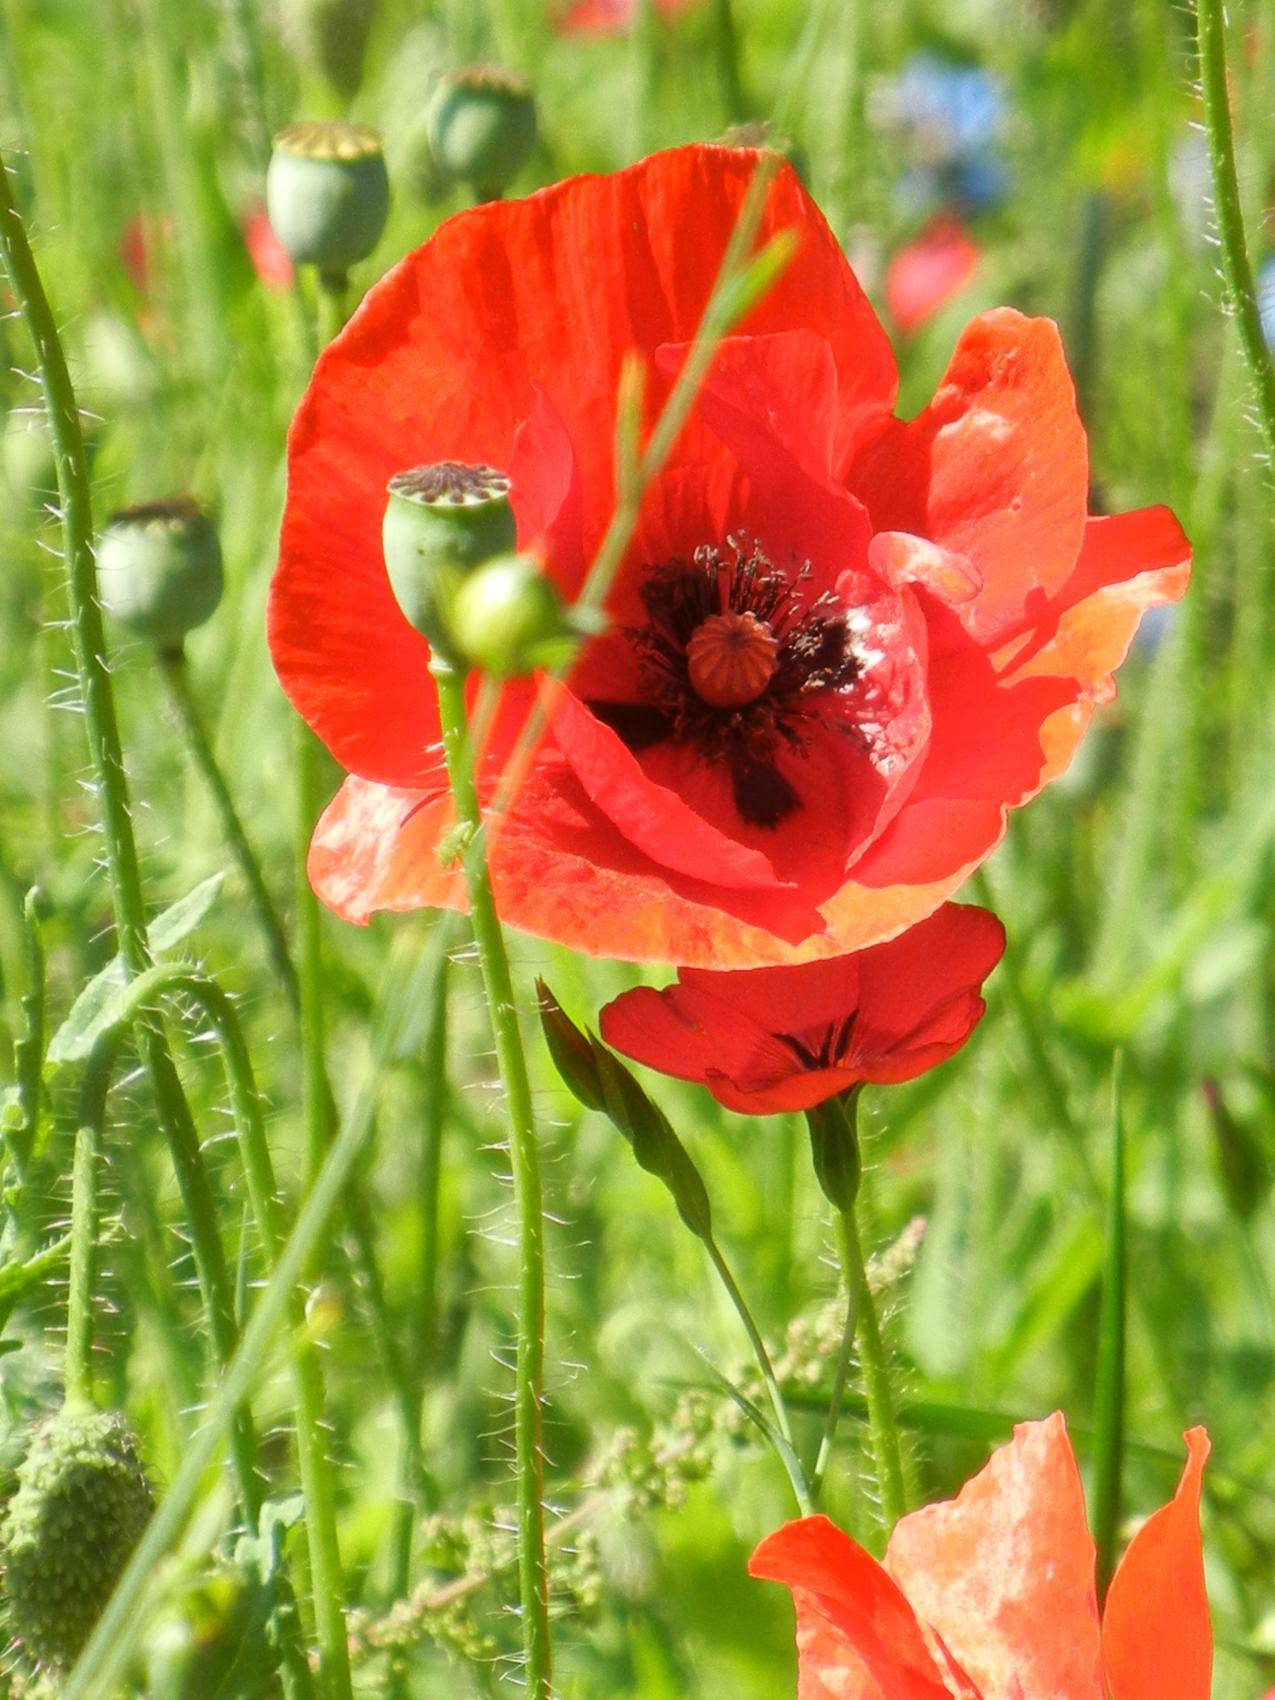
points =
(81, 1504)
(440, 523)
(328, 193)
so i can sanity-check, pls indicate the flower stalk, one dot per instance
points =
(1237, 268)
(493, 960)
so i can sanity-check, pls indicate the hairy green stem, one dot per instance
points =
(525, 1163)
(79, 1300)
(108, 764)
(176, 676)
(827, 1440)
(1237, 268)
(882, 1424)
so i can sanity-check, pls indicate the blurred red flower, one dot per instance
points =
(269, 257)
(843, 646)
(612, 17)
(770, 1039)
(927, 273)
(991, 1596)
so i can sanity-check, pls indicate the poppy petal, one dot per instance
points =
(1157, 1643)
(854, 1626)
(996, 468)
(1004, 1573)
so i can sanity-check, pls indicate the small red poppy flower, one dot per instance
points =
(770, 1039)
(611, 17)
(929, 272)
(842, 646)
(991, 1595)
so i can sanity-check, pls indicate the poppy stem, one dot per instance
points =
(79, 1298)
(829, 1436)
(882, 1424)
(493, 960)
(1237, 269)
(800, 1487)
(176, 676)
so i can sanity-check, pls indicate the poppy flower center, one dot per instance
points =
(824, 1048)
(732, 659)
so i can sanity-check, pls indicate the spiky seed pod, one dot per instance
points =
(328, 193)
(508, 618)
(440, 523)
(159, 569)
(331, 35)
(482, 127)
(81, 1503)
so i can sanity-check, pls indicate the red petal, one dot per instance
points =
(1004, 1572)
(1156, 1640)
(1130, 563)
(996, 468)
(452, 351)
(857, 1636)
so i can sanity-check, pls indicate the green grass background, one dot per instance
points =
(1137, 892)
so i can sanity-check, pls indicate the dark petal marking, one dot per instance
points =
(762, 795)
(637, 724)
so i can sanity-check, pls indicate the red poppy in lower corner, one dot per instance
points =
(765, 1040)
(925, 275)
(991, 1595)
(842, 645)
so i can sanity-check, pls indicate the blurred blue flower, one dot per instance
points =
(952, 119)
(1266, 299)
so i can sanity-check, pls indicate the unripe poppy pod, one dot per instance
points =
(332, 35)
(482, 127)
(440, 523)
(508, 618)
(328, 193)
(159, 569)
(81, 1504)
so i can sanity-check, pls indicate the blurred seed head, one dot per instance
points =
(482, 127)
(159, 569)
(328, 193)
(331, 37)
(508, 618)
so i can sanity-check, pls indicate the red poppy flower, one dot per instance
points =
(926, 274)
(991, 1596)
(770, 1039)
(611, 17)
(843, 645)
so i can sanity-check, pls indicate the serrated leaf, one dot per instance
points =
(92, 1012)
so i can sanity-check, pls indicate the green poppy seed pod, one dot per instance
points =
(482, 127)
(328, 194)
(81, 1503)
(440, 523)
(508, 619)
(159, 569)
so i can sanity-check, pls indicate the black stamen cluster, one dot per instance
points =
(829, 1050)
(814, 655)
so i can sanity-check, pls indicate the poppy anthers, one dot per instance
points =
(990, 1596)
(843, 645)
(765, 1040)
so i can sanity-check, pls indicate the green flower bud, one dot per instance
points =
(81, 1504)
(331, 35)
(328, 193)
(159, 569)
(440, 523)
(507, 618)
(482, 127)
